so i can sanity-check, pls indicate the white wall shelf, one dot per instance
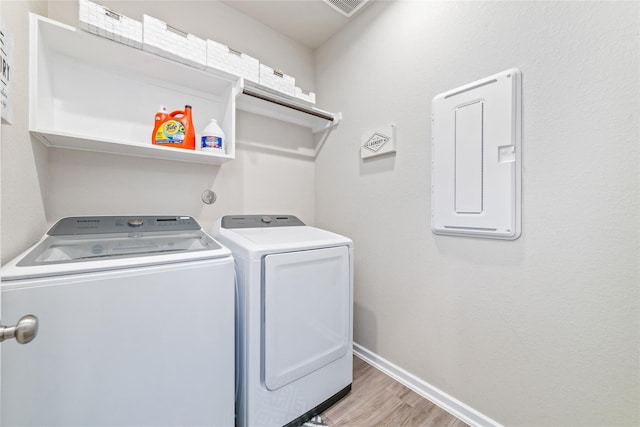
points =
(258, 99)
(90, 93)
(130, 148)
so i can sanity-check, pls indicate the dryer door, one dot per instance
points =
(307, 308)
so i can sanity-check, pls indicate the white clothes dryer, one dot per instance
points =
(136, 326)
(295, 317)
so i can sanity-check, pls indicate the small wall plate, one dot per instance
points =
(379, 142)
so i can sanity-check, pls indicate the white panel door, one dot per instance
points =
(476, 158)
(144, 346)
(306, 312)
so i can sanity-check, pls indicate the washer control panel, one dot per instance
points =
(260, 221)
(121, 224)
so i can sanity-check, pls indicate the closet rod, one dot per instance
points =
(284, 104)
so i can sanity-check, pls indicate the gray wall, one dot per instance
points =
(23, 163)
(539, 331)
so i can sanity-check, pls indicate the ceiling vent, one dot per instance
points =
(346, 7)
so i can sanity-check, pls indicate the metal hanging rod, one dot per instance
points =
(285, 104)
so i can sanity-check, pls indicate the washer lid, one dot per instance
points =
(84, 244)
(255, 242)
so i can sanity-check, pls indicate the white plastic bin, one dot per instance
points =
(277, 80)
(104, 22)
(239, 64)
(309, 97)
(169, 42)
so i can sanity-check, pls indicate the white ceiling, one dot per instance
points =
(310, 22)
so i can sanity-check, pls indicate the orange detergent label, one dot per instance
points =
(170, 132)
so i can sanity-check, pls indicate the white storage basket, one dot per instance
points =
(309, 97)
(99, 20)
(240, 64)
(164, 40)
(277, 80)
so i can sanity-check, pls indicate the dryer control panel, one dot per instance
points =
(260, 221)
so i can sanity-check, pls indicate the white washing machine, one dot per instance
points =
(295, 336)
(136, 326)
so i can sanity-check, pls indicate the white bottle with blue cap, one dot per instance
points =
(212, 138)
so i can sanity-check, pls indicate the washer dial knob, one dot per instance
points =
(266, 219)
(135, 222)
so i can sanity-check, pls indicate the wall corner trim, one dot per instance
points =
(426, 390)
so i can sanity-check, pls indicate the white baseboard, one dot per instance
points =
(426, 390)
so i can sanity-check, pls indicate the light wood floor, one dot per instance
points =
(378, 400)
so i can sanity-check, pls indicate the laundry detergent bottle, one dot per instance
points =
(175, 130)
(161, 116)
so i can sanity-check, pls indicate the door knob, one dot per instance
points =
(24, 332)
